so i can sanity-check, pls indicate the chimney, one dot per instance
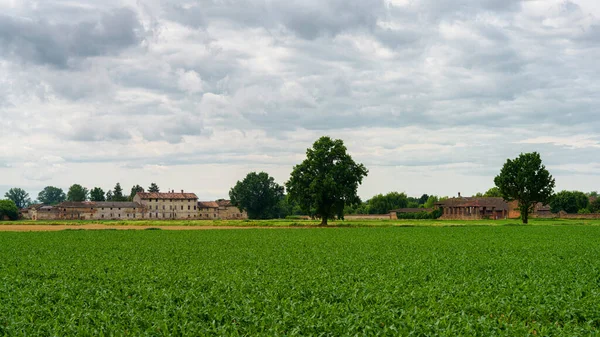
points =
(181, 191)
(459, 194)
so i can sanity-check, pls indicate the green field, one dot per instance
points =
(475, 280)
(308, 223)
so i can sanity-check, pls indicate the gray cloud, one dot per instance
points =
(43, 42)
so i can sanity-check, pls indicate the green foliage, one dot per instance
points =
(593, 194)
(526, 180)
(383, 204)
(109, 196)
(327, 180)
(117, 194)
(569, 201)
(19, 197)
(436, 213)
(584, 211)
(258, 194)
(413, 204)
(153, 188)
(97, 194)
(430, 203)
(595, 206)
(466, 281)
(8, 209)
(51, 195)
(423, 199)
(77, 193)
(493, 192)
(134, 190)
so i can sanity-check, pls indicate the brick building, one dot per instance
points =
(462, 208)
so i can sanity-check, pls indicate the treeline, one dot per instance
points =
(52, 195)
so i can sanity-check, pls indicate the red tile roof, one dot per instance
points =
(208, 204)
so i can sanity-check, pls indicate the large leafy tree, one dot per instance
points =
(51, 195)
(153, 188)
(18, 196)
(326, 180)
(569, 201)
(258, 194)
(77, 193)
(97, 194)
(526, 180)
(8, 209)
(134, 190)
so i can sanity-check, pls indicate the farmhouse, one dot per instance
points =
(462, 208)
(168, 205)
(88, 210)
(220, 209)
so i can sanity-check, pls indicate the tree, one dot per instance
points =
(109, 196)
(526, 180)
(326, 180)
(493, 192)
(423, 199)
(595, 206)
(117, 194)
(97, 194)
(51, 195)
(593, 194)
(153, 188)
(430, 203)
(383, 204)
(8, 209)
(77, 193)
(258, 194)
(569, 201)
(19, 197)
(134, 190)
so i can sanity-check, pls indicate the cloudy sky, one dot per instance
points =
(431, 95)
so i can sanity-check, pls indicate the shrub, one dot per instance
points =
(8, 209)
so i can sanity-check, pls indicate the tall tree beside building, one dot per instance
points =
(117, 194)
(526, 180)
(134, 190)
(327, 180)
(258, 194)
(77, 193)
(153, 188)
(18, 196)
(8, 209)
(51, 195)
(97, 194)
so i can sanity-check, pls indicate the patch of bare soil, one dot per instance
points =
(46, 228)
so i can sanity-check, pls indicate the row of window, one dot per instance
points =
(171, 200)
(171, 207)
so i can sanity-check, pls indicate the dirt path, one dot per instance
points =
(45, 228)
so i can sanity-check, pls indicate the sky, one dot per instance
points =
(432, 96)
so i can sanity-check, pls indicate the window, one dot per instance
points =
(182, 207)
(150, 214)
(119, 208)
(111, 208)
(119, 215)
(194, 207)
(163, 206)
(188, 207)
(103, 215)
(102, 208)
(188, 215)
(170, 200)
(157, 214)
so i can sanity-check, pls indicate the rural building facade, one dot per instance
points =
(168, 205)
(473, 208)
(220, 209)
(88, 210)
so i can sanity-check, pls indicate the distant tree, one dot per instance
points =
(97, 194)
(413, 204)
(18, 196)
(569, 201)
(383, 204)
(493, 192)
(109, 196)
(258, 194)
(423, 199)
(153, 188)
(526, 180)
(8, 209)
(51, 195)
(593, 194)
(430, 203)
(134, 190)
(77, 193)
(326, 180)
(595, 206)
(117, 194)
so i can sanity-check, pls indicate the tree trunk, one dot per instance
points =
(323, 221)
(525, 214)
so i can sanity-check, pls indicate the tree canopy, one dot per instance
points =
(97, 194)
(326, 180)
(526, 180)
(134, 190)
(77, 193)
(18, 196)
(383, 204)
(569, 201)
(258, 194)
(153, 188)
(8, 209)
(117, 194)
(51, 195)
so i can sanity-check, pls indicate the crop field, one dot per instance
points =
(476, 280)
